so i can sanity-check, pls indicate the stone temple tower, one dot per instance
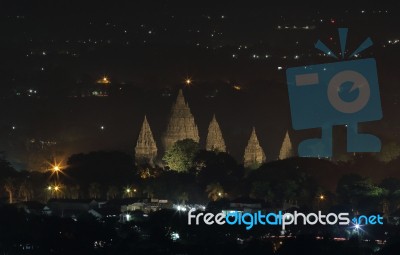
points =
(146, 148)
(287, 148)
(215, 141)
(181, 124)
(254, 155)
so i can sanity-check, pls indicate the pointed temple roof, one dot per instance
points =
(181, 123)
(215, 141)
(146, 148)
(287, 148)
(254, 155)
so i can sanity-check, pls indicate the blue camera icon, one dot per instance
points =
(340, 93)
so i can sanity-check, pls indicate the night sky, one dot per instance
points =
(54, 54)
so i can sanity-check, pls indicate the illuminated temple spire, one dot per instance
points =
(287, 148)
(181, 124)
(146, 148)
(215, 141)
(254, 155)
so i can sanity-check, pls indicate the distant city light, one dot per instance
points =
(175, 236)
(237, 87)
(104, 80)
(181, 208)
(188, 81)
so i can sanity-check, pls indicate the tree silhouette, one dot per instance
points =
(9, 186)
(25, 191)
(94, 190)
(183, 197)
(112, 192)
(73, 191)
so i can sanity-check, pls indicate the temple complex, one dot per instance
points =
(215, 141)
(146, 148)
(287, 148)
(181, 124)
(254, 154)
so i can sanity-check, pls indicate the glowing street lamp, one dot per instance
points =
(321, 197)
(129, 190)
(56, 168)
(54, 190)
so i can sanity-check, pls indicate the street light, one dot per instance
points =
(54, 189)
(56, 168)
(321, 197)
(129, 190)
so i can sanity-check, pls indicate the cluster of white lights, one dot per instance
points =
(181, 208)
(395, 41)
(175, 236)
(296, 27)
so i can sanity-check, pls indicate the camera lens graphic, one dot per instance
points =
(359, 82)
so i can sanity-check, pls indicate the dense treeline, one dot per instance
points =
(362, 182)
